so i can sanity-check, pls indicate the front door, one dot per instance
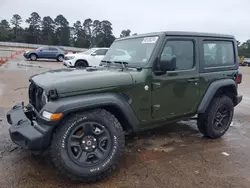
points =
(176, 92)
(99, 55)
(44, 52)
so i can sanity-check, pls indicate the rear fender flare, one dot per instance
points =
(211, 91)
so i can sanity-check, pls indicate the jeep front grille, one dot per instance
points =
(35, 96)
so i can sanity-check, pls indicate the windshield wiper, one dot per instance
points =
(107, 62)
(119, 62)
(122, 63)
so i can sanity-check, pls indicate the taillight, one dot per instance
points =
(238, 78)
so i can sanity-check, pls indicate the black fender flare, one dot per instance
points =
(212, 89)
(83, 102)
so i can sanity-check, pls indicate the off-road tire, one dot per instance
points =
(33, 57)
(81, 64)
(67, 167)
(58, 58)
(205, 121)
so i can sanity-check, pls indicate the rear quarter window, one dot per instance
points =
(218, 53)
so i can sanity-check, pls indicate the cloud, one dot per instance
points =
(143, 16)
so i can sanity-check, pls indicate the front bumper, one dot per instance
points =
(25, 131)
(67, 63)
(26, 55)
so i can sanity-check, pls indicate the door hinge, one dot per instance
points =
(156, 107)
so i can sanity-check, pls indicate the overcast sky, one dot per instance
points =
(143, 16)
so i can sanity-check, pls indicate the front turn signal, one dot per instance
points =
(56, 116)
(52, 116)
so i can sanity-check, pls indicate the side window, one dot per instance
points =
(53, 49)
(183, 51)
(44, 49)
(218, 53)
(101, 51)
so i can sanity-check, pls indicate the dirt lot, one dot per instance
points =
(173, 156)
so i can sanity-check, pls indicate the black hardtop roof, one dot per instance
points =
(181, 33)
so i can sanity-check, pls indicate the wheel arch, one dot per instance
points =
(112, 102)
(77, 61)
(33, 53)
(60, 55)
(217, 88)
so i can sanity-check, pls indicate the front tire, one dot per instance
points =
(81, 64)
(215, 122)
(88, 146)
(33, 57)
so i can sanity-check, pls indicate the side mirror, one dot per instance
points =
(93, 54)
(167, 63)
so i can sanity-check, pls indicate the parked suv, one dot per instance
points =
(82, 115)
(91, 57)
(45, 53)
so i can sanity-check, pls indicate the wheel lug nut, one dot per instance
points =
(93, 146)
(94, 139)
(86, 148)
(83, 141)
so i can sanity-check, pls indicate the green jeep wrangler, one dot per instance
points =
(144, 81)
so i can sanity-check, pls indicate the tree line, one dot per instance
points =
(86, 34)
(244, 48)
(48, 31)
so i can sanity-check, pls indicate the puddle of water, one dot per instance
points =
(23, 67)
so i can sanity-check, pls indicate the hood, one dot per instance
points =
(77, 80)
(71, 55)
(29, 51)
(76, 55)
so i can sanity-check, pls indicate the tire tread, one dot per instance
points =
(204, 124)
(60, 130)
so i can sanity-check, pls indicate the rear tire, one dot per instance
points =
(60, 58)
(215, 122)
(81, 64)
(81, 153)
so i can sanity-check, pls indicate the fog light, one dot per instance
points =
(51, 116)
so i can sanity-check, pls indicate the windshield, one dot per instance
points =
(132, 51)
(88, 52)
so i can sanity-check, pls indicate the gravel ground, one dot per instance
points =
(172, 156)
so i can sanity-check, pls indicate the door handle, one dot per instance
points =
(193, 80)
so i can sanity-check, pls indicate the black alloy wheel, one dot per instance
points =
(89, 143)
